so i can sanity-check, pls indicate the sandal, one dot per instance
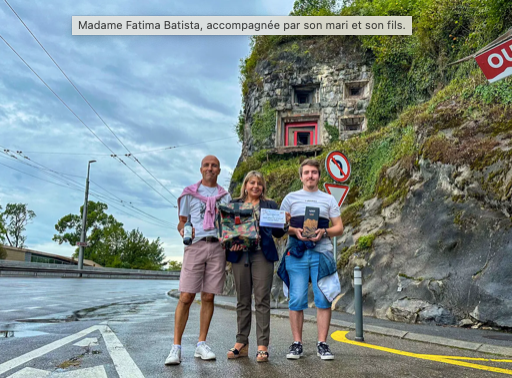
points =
(242, 352)
(262, 356)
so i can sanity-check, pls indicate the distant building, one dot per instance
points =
(29, 255)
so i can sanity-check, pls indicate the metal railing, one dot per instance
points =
(8, 267)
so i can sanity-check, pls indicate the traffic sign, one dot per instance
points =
(338, 191)
(496, 63)
(338, 166)
(81, 244)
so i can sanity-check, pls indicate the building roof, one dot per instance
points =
(51, 255)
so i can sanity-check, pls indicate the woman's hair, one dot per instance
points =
(248, 176)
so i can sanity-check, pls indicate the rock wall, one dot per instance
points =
(434, 260)
(330, 73)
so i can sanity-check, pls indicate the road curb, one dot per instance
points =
(453, 343)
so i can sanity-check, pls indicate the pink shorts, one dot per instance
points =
(203, 268)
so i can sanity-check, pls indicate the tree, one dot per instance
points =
(69, 227)
(174, 266)
(314, 8)
(2, 226)
(14, 220)
(109, 244)
(139, 253)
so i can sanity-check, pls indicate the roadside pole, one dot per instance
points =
(84, 221)
(358, 303)
(337, 166)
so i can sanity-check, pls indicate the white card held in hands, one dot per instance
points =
(272, 218)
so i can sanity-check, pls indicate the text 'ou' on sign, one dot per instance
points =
(496, 63)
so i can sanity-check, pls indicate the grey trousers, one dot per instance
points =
(256, 277)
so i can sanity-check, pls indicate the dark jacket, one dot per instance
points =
(267, 242)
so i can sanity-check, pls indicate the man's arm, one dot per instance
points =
(181, 225)
(337, 227)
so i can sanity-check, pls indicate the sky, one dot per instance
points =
(153, 92)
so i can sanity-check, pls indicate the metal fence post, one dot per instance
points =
(358, 303)
(335, 249)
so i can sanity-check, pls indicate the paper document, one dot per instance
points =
(272, 218)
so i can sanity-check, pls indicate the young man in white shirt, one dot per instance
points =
(303, 257)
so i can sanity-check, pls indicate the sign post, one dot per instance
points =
(338, 167)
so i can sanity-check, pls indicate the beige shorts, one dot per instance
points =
(203, 268)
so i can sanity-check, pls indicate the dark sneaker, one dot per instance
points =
(324, 352)
(295, 351)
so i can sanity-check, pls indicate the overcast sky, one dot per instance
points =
(152, 91)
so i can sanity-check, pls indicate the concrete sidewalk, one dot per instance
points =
(479, 340)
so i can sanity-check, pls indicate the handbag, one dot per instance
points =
(237, 225)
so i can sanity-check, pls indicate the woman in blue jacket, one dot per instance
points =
(254, 272)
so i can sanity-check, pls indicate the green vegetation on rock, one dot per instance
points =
(262, 127)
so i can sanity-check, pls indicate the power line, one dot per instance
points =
(114, 155)
(55, 183)
(79, 187)
(88, 103)
(160, 149)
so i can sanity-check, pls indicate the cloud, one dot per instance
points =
(153, 91)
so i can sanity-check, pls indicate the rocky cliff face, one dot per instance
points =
(310, 80)
(435, 259)
(428, 216)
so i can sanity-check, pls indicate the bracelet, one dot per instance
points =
(326, 235)
(286, 227)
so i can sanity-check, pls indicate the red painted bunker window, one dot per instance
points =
(301, 134)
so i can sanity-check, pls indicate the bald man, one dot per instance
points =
(204, 261)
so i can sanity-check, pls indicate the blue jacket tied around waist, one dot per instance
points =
(328, 280)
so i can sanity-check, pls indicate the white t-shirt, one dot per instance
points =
(196, 208)
(295, 203)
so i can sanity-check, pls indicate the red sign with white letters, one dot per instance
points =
(496, 63)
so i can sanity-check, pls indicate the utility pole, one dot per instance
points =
(84, 221)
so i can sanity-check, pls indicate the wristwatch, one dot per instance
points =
(326, 235)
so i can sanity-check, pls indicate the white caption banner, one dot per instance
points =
(241, 25)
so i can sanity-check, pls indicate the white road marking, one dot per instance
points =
(10, 310)
(32, 308)
(93, 372)
(125, 366)
(15, 362)
(53, 305)
(88, 341)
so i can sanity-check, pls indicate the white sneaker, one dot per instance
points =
(204, 352)
(174, 357)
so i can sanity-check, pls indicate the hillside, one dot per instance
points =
(428, 215)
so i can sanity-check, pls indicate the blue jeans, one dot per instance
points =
(300, 270)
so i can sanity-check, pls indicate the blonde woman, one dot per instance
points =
(256, 275)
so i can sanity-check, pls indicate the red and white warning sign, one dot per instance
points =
(496, 63)
(338, 166)
(338, 191)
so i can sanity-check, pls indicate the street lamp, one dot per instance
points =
(84, 221)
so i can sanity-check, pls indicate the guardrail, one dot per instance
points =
(23, 268)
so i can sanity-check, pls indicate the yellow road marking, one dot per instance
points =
(341, 336)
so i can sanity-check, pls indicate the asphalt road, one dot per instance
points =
(125, 330)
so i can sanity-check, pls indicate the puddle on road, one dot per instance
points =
(103, 312)
(26, 333)
(9, 330)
